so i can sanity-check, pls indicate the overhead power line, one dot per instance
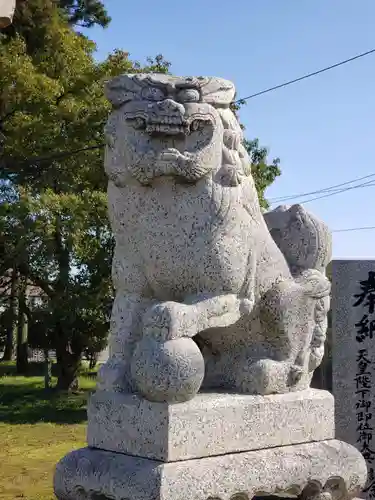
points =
(366, 184)
(61, 154)
(327, 192)
(322, 190)
(365, 228)
(66, 154)
(359, 186)
(304, 77)
(41, 159)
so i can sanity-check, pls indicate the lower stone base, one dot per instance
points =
(329, 470)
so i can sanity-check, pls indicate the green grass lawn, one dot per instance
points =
(37, 428)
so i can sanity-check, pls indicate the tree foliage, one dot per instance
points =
(54, 227)
(85, 13)
(53, 216)
(32, 18)
(263, 170)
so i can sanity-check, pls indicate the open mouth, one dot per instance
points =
(169, 125)
(169, 154)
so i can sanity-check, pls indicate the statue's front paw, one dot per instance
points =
(315, 283)
(246, 306)
(162, 322)
(112, 376)
(229, 176)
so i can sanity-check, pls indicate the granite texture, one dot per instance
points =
(306, 243)
(172, 370)
(194, 258)
(329, 470)
(210, 424)
(303, 238)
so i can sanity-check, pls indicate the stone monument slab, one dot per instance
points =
(353, 357)
(209, 424)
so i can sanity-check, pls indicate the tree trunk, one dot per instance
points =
(47, 370)
(68, 364)
(68, 361)
(22, 330)
(68, 367)
(93, 359)
(22, 346)
(11, 336)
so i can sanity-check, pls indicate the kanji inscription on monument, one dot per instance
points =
(354, 357)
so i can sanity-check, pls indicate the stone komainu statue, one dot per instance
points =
(210, 292)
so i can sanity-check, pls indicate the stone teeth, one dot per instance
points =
(167, 120)
(168, 128)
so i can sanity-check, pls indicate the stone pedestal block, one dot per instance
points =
(325, 470)
(209, 424)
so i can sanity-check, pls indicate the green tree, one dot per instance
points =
(10, 244)
(9, 314)
(85, 13)
(22, 328)
(32, 18)
(263, 170)
(52, 100)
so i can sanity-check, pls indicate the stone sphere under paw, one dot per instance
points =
(169, 371)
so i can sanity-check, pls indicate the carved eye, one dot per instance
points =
(188, 95)
(139, 123)
(153, 94)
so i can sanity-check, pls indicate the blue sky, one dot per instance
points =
(322, 128)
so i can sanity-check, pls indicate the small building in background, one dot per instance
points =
(34, 294)
(7, 8)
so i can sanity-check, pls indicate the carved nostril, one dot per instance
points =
(139, 123)
(171, 105)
